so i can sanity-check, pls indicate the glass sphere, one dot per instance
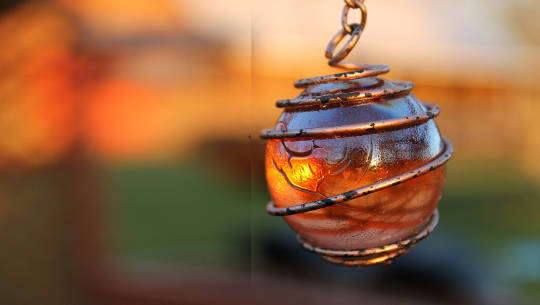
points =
(305, 170)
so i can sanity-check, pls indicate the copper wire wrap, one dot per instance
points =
(376, 255)
(370, 256)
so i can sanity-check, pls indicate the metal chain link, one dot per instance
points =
(354, 30)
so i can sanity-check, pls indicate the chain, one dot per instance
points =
(353, 30)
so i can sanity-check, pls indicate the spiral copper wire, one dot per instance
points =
(335, 95)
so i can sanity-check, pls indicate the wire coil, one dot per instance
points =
(341, 90)
(376, 255)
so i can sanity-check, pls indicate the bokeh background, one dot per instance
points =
(131, 170)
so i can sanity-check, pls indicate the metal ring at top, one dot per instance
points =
(344, 17)
(333, 59)
(354, 3)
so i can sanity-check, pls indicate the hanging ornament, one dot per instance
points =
(355, 163)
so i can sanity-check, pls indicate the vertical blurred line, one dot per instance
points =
(83, 188)
(252, 134)
(83, 201)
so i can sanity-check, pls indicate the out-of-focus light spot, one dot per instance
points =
(36, 87)
(127, 119)
(121, 17)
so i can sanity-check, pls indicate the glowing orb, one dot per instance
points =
(310, 169)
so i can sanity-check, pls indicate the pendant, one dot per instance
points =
(355, 164)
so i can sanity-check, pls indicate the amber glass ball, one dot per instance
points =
(305, 170)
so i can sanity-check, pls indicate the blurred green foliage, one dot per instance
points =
(191, 214)
(180, 212)
(492, 203)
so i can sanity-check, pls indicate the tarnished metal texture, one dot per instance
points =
(365, 96)
(356, 129)
(363, 71)
(353, 30)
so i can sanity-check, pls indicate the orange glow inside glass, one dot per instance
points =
(306, 170)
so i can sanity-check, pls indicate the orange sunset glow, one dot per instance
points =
(135, 167)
